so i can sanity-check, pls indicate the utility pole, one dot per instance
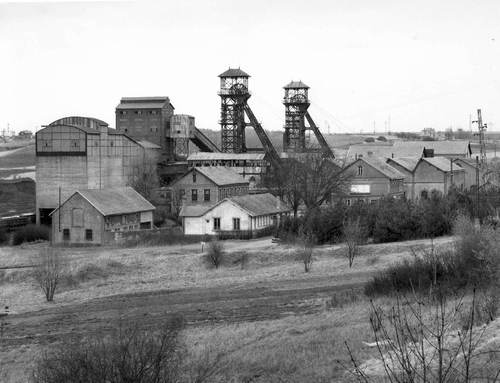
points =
(482, 146)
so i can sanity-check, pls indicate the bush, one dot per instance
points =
(215, 255)
(473, 261)
(4, 237)
(127, 354)
(31, 233)
(49, 271)
(305, 254)
(370, 139)
(381, 138)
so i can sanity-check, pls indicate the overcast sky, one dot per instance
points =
(418, 63)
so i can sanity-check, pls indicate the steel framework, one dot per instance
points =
(234, 95)
(296, 103)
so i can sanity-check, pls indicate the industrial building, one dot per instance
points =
(79, 153)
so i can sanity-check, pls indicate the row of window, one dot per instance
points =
(67, 235)
(206, 195)
(236, 224)
(138, 111)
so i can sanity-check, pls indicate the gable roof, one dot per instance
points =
(220, 175)
(112, 201)
(253, 204)
(440, 148)
(409, 163)
(383, 167)
(440, 163)
(260, 204)
(386, 151)
(143, 102)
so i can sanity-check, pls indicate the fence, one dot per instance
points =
(245, 234)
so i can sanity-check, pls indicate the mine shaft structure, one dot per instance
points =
(234, 96)
(296, 103)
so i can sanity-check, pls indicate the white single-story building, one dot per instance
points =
(247, 216)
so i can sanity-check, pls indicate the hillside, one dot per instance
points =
(17, 197)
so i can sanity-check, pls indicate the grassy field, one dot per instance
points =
(291, 347)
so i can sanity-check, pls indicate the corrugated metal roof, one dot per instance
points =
(260, 204)
(409, 163)
(234, 73)
(296, 85)
(221, 175)
(383, 167)
(79, 121)
(83, 128)
(225, 156)
(195, 210)
(123, 200)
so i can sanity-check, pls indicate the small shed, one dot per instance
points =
(91, 217)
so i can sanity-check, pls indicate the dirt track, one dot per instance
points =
(235, 303)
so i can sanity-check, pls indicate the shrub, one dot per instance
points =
(370, 139)
(215, 254)
(130, 353)
(381, 138)
(305, 254)
(31, 233)
(4, 237)
(49, 271)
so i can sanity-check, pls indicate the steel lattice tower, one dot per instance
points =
(234, 95)
(296, 103)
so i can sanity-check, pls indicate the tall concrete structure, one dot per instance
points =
(79, 153)
(147, 119)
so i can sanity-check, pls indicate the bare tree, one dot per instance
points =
(144, 178)
(176, 200)
(215, 254)
(353, 235)
(49, 270)
(321, 179)
(305, 254)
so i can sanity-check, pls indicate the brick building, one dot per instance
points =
(147, 119)
(88, 215)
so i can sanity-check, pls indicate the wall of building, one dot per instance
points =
(469, 174)
(379, 183)
(77, 215)
(106, 161)
(147, 124)
(428, 178)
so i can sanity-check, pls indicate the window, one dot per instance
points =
(236, 224)
(111, 143)
(348, 202)
(206, 195)
(88, 234)
(424, 194)
(194, 195)
(154, 129)
(360, 170)
(123, 112)
(360, 189)
(66, 234)
(138, 112)
(194, 177)
(124, 219)
(216, 223)
(152, 112)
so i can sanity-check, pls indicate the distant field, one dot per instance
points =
(19, 159)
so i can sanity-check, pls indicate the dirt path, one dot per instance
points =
(235, 303)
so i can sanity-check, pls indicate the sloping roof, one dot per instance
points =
(253, 204)
(221, 175)
(226, 156)
(143, 102)
(440, 147)
(383, 167)
(259, 204)
(394, 151)
(234, 73)
(440, 163)
(195, 210)
(409, 163)
(470, 161)
(296, 85)
(79, 121)
(121, 200)
(148, 145)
